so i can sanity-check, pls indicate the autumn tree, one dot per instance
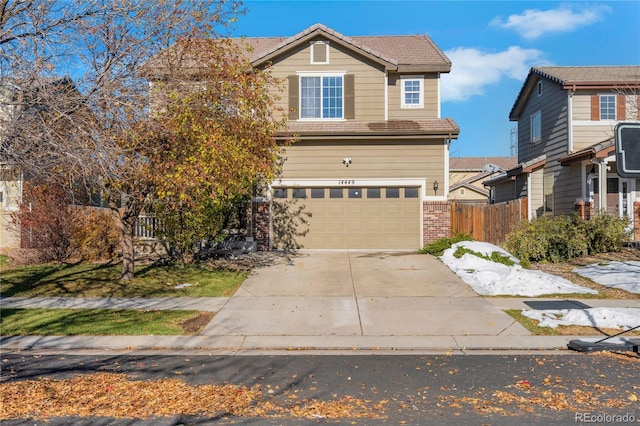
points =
(207, 134)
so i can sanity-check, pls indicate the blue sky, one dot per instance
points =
(492, 45)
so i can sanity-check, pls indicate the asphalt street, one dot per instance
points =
(418, 390)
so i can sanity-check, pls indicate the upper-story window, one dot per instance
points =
(607, 107)
(321, 97)
(412, 96)
(539, 87)
(535, 123)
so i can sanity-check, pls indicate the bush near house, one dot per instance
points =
(58, 230)
(561, 238)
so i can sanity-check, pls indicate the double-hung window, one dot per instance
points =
(607, 107)
(321, 97)
(412, 92)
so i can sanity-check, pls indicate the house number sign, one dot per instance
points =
(346, 182)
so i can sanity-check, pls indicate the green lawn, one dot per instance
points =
(102, 280)
(96, 322)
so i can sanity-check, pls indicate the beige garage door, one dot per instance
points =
(346, 218)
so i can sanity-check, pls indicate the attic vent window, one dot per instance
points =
(319, 52)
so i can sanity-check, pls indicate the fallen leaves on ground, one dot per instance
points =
(114, 395)
(550, 393)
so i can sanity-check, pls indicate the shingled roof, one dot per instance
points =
(434, 127)
(573, 78)
(402, 53)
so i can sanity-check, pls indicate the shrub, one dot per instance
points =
(44, 219)
(438, 246)
(561, 238)
(607, 233)
(526, 242)
(94, 234)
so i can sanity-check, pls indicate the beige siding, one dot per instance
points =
(536, 193)
(585, 136)
(10, 188)
(581, 104)
(409, 159)
(430, 93)
(369, 77)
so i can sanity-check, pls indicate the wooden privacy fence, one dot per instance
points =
(487, 222)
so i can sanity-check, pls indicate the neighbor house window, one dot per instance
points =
(412, 93)
(321, 97)
(539, 88)
(536, 127)
(607, 107)
(279, 192)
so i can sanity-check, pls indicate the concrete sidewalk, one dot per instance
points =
(330, 301)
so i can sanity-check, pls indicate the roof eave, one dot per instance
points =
(409, 68)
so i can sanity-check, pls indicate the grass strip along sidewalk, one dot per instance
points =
(102, 281)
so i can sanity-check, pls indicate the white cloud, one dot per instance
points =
(533, 23)
(473, 70)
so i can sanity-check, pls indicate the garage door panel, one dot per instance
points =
(359, 223)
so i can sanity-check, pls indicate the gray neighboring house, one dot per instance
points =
(566, 154)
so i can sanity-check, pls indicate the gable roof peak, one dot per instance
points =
(331, 34)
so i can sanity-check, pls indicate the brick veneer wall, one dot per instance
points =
(436, 220)
(261, 212)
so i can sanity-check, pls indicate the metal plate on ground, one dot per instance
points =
(543, 305)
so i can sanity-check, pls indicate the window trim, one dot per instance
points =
(615, 106)
(533, 138)
(340, 74)
(405, 79)
(318, 43)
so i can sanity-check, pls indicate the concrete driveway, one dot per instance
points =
(342, 294)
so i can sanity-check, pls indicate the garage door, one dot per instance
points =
(346, 218)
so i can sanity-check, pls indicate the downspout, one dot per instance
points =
(447, 145)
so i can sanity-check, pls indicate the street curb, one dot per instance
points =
(290, 344)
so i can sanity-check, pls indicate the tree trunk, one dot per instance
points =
(128, 252)
(127, 217)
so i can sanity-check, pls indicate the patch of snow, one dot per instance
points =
(621, 318)
(183, 285)
(491, 279)
(622, 275)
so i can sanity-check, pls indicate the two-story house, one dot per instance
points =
(369, 167)
(566, 153)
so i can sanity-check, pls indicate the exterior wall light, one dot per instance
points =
(435, 186)
(346, 161)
